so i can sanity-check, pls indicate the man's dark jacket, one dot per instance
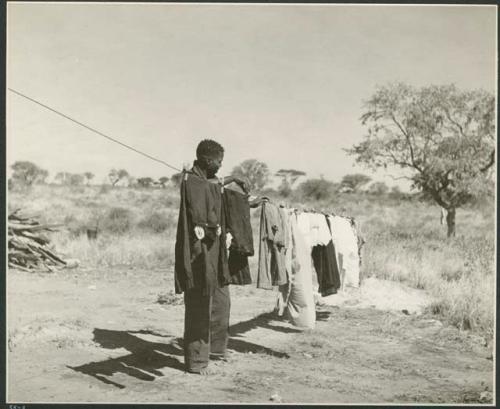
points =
(200, 263)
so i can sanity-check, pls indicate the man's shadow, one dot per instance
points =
(143, 362)
(146, 358)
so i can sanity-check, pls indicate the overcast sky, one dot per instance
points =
(280, 83)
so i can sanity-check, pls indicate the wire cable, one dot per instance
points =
(93, 130)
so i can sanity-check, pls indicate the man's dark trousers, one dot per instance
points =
(206, 326)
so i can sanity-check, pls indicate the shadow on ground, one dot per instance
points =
(146, 358)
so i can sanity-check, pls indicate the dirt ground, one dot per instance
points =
(102, 336)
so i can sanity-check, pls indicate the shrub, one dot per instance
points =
(157, 222)
(316, 189)
(117, 220)
(104, 189)
(75, 226)
(270, 193)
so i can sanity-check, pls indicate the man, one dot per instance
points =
(201, 268)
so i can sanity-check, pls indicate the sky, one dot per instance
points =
(283, 84)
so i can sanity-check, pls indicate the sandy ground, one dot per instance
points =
(102, 336)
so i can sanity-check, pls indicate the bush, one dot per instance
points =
(75, 227)
(117, 220)
(104, 189)
(316, 189)
(158, 222)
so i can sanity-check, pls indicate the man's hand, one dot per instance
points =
(199, 232)
(243, 183)
(258, 201)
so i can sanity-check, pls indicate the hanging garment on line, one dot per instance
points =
(304, 227)
(288, 240)
(326, 266)
(346, 245)
(284, 289)
(361, 240)
(237, 214)
(297, 298)
(320, 232)
(272, 263)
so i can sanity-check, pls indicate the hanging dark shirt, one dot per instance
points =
(326, 266)
(237, 216)
(238, 223)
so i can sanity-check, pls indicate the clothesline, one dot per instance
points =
(92, 129)
(312, 210)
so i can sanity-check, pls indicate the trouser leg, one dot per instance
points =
(219, 320)
(196, 329)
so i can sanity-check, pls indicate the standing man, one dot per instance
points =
(201, 268)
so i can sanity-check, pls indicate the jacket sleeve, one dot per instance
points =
(183, 270)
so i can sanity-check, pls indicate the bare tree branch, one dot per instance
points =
(400, 177)
(490, 162)
(407, 136)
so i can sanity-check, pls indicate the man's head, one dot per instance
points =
(210, 155)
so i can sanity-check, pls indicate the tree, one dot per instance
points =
(70, 179)
(62, 177)
(395, 192)
(288, 179)
(354, 181)
(255, 172)
(163, 181)
(131, 180)
(317, 189)
(378, 188)
(176, 179)
(88, 176)
(76, 179)
(441, 137)
(116, 175)
(145, 182)
(26, 173)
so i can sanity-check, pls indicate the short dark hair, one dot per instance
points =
(208, 148)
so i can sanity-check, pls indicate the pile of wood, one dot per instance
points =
(28, 245)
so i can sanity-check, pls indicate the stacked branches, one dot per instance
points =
(28, 245)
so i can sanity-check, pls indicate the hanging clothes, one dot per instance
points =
(320, 232)
(284, 289)
(297, 295)
(361, 240)
(288, 240)
(237, 215)
(304, 226)
(272, 259)
(326, 266)
(346, 245)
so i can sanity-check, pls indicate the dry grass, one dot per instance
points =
(404, 240)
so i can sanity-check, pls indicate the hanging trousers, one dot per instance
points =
(206, 326)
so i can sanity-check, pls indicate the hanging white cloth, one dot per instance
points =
(346, 245)
(297, 294)
(320, 233)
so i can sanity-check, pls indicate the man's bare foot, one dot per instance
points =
(225, 357)
(219, 357)
(208, 370)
